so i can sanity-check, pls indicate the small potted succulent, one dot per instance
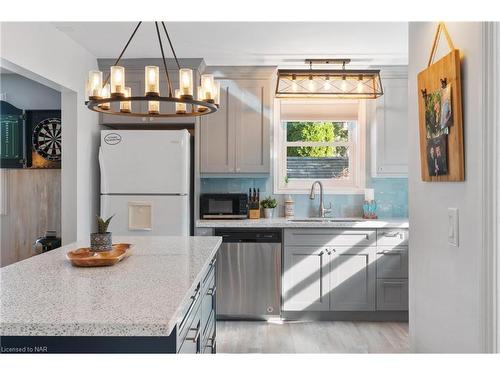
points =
(268, 205)
(101, 240)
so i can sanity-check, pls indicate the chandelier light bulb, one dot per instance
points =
(94, 84)
(105, 94)
(180, 108)
(117, 80)
(200, 97)
(125, 105)
(186, 83)
(152, 80)
(216, 92)
(207, 83)
(153, 107)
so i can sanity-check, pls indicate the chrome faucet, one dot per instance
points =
(322, 210)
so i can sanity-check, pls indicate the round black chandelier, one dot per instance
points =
(101, 94)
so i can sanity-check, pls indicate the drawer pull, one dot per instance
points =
(393, 234)
(211, 291)
(191, 307)
(394, 283)
(196, 335)
(212, 345)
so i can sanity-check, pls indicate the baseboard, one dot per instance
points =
(369, 316)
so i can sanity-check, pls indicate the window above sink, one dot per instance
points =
(319, 140)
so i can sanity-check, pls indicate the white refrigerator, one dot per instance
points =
(145, 181)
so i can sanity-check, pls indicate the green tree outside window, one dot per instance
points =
(316, 131)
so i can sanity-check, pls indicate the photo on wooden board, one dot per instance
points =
(433, 103)
(446, 119)
(437, 160)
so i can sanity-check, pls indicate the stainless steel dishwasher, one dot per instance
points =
(249, 274)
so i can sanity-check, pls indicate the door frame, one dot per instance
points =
(491, 189)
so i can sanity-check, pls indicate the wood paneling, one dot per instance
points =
(33, 205)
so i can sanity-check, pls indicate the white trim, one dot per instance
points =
(491, 186)
(353, 185)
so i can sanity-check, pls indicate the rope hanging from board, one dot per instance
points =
(441, 28)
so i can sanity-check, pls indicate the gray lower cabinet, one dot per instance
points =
(345, 270)
(306, 283)
(328, 279)
(352, 279)
(392, 294)
(197, 329)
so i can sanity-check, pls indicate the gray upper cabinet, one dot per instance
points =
(389, 126)
(306, 279)
(352, 279)
(217, 138)
(236, 138)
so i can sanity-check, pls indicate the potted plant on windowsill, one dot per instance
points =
(268, 205)
(101, 240)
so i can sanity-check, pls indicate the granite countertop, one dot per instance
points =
(142, 295)
(281, 222)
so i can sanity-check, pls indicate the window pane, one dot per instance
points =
(316, 131)
(318, 162)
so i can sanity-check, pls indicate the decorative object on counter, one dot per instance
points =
(369, 205)
(46, 243)
(268, 204)
(101, 96)
(440, 115)
(321, 83)
(289, 207)
(101, 240)
(87, 257)
(253, 204)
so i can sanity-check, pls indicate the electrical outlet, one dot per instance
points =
(453, 226)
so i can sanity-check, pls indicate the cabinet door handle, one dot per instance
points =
(211, 291)
(196, 335)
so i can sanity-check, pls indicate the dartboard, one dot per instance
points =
(47, 139)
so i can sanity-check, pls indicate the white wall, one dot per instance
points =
(25, 93)
(446, 289)
(40, 52)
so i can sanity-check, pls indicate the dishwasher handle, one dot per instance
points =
(255, 236)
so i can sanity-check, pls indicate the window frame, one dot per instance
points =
(354, 185)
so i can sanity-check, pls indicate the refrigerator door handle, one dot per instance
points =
(104, 188)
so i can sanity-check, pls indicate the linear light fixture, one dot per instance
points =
(329, 83)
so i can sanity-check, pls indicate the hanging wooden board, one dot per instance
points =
(440, 116)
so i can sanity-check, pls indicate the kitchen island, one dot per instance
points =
(161, 299)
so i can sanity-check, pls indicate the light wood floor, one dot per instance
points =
(312, 337)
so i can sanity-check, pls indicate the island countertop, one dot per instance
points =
(142, 295)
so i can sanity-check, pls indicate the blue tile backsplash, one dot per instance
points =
(391, 195)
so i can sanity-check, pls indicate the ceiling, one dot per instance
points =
(251, 43)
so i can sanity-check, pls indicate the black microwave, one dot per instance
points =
(223, 206)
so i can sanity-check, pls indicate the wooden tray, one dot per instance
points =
(85, 257)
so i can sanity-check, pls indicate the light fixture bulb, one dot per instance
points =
(179, 107)
(311, 83)
(327, 84)
(343, 86)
